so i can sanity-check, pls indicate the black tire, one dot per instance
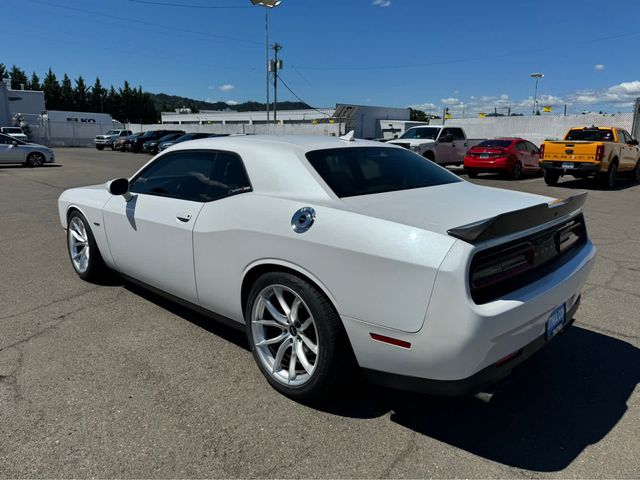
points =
(516, 171)
(551, 177)
(430, 156)
(34, 159)
(636, 173)
(96, 270)
(472, 173)
(334, 362)
(113, 147)
(608, 180)
(100, 147)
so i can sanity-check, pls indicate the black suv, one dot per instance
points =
(136, 144)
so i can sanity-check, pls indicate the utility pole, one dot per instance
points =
(275, 66)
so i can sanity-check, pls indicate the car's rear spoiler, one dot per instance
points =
(518, 220)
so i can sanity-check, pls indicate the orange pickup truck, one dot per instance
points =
(600, 152)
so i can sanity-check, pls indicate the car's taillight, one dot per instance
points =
(501, 265)
(542, 151)
(599, 153)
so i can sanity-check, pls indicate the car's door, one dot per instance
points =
(151, 235)
(534, 155)
(629, 152)
(522, 153)
(459, 145)
(444, 149)
(5, 152)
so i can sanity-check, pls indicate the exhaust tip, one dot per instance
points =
(484, 397)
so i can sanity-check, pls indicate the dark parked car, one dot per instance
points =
(136, 145)
(187, 136)
(122, 143)
(151, 146)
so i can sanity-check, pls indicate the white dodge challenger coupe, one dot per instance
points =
(335, 252)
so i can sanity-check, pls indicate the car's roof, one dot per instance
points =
(304, 143)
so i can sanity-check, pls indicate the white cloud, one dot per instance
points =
(211, 87)
(231, 102)
(381, 3)
(450, 101)
(598, 66)
(621, 95)
(227, 87)
(426, 107)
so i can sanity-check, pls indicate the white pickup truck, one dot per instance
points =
(443, 144)
(108, 138)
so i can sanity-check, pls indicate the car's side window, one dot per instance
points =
(228, 177)
(521, 146)
(200, 176)
(532, 148)
(457, 133)
(184, 175)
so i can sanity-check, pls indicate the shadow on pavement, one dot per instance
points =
(567, 397)
(622, 183)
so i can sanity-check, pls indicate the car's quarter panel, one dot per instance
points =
(377, 271)
(460, 338)
(151, 244)
(89, 201)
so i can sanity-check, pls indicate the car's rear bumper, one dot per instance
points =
(488, 165)
(478, 382)
(578, 167)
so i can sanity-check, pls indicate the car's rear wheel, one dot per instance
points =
(297, 337)
(551, 177)
(608, 180)
(35, 159)
(83, 250)
(516, 171)
(635, 174)
(472, 173)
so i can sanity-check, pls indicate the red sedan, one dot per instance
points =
(514, 156)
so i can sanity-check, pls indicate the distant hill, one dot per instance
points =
(168, 103)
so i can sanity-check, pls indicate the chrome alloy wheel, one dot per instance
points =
(284, 335)
(78, 241)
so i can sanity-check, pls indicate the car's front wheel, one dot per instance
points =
(100, 147)
(297, 337)
(83, 250)
(35, 159)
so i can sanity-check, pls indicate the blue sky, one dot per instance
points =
(381, 52)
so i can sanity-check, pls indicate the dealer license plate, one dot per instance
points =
(484, 155)
(556, 321)
(567, 164)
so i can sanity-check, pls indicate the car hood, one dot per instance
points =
(412, 142)
(443, 207)
(104, 137)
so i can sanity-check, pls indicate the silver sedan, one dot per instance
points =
(13, 150)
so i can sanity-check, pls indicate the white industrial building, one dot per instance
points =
(12, 102)
(365, 120)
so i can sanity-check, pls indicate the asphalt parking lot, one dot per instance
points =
(112, 381)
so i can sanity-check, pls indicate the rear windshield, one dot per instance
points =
(495, 143)
(591, 135)
(429, 133)
(366, 170)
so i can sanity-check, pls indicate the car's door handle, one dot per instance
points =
(183, 217)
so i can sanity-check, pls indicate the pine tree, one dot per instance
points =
(97, 97)
(34, 83)
(3, 71)
(80, 95)
(18, 77)
(52, 93)
(66, 94)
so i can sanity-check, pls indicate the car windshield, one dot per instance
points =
(184, 138)
(7, 139)
(12, 130)
(148, 134)
(430, 133)
(166, 138)
(591, 135)
(367, 170)
(113, 132)
(494, 143)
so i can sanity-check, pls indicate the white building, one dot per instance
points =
(25, 102)
(213, 117)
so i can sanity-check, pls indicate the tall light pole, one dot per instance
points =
(537, 76)
(267, 4)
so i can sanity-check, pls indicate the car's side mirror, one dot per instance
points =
(119, 186)
(448, 138)
(14, 143)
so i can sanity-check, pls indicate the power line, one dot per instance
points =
(294, 94)
(142, 22)
(184, 5)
